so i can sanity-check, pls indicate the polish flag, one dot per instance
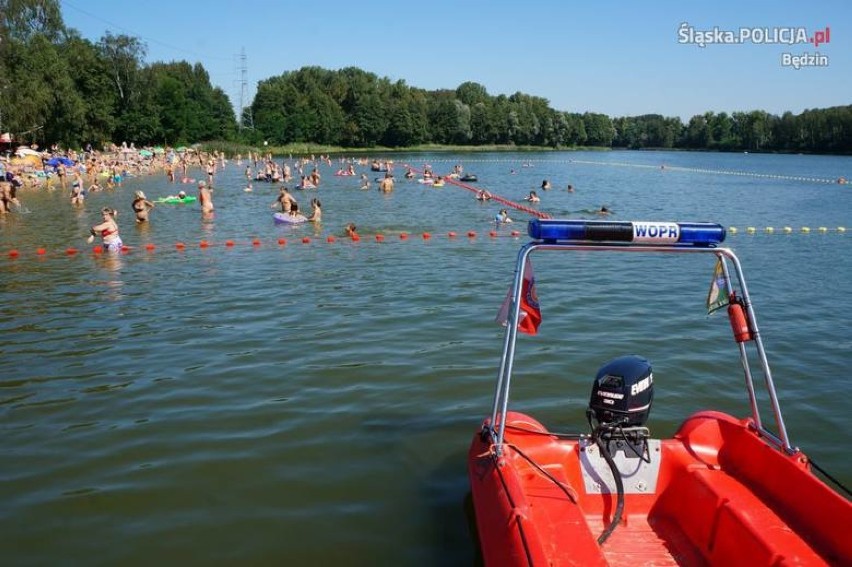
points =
(529, 316)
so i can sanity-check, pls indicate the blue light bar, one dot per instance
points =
(637, 232)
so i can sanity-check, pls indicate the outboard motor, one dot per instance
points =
(618, 409)
(622, 392)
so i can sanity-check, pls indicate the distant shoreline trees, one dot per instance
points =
(56, 87)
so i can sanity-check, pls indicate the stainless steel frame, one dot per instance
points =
(504, 375)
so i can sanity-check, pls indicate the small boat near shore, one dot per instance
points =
(723, 490)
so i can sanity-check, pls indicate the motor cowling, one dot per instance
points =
(623, 392)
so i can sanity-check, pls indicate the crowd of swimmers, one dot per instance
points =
(81, 173)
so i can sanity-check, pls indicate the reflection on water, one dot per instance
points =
(229, 404)
(110, 265)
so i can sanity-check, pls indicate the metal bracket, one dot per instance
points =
(637, 476)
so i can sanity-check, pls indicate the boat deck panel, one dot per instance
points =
(634, 542)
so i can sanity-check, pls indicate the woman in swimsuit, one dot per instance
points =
(108, 230)
(141, 206)
(77, 193)
(316, 211)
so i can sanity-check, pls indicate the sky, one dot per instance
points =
(620, 58)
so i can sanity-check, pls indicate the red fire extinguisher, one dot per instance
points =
(739, 321)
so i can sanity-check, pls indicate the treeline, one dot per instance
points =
(827, 130)
(56, 87)
(354, 108)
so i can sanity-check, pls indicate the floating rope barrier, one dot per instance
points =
(788, 230)
(379, 238)
(493, 197)
(663, 167)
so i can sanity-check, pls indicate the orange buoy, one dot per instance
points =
(255, 242)
(451, 234)
(356, 238)
(180, 245)
(515, 233)
(229, 243)
(403, 236)
(204, 244)
(330, 239)
(493, 234)
(282, 242)
(98, 250)
(471, 234)
(13, 253)
(125, 249)
(149, 247)
(380, 238)
(426, 236)
(306, 240)
(70, 251)
(41, 251)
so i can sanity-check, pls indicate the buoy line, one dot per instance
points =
(662, 167)
(493, 197)
(788, 230)
(379, 238)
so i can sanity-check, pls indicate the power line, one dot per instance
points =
(244, 117)
(148, 39)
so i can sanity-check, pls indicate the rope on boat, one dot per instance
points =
(825, 473)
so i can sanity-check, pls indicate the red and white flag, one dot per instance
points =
(529, 316)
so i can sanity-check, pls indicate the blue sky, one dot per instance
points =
(619, 58)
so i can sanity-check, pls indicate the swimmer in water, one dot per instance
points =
(141, 205)
(502, 217)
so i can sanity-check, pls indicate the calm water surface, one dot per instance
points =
(308, 403)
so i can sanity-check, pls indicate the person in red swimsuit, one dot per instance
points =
(108, 230)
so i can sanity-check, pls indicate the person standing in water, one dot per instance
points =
(386, 184)
(77, 194)
(108, 231)
(285, 200)
(205, 197)
(141, 205)
(316, 211)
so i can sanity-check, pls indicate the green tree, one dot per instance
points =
(89, 74)
(23, 20)
(124, 56)
(599, 129)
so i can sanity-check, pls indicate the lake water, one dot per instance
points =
(309, 403)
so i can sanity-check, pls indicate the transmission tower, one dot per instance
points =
(244, 118)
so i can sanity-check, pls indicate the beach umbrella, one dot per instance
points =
(54, 161)
(159, 150)
(146, 153)
(25, 151)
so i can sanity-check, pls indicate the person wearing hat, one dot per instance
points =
(141, 205)
(205, 198)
